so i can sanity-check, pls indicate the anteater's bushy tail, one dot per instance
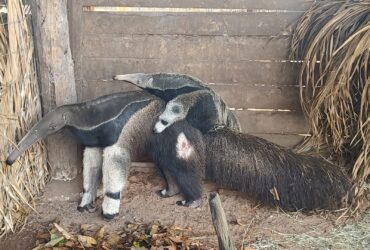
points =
(272, 174)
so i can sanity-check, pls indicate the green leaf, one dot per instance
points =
(53, 236)
(54, 242)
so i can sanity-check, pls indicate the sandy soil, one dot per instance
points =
(249, 222)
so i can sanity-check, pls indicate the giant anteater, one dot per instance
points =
(115, 130)
(268, 172)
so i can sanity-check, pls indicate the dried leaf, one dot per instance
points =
(113, 239)
(86, 241)
(158, 236)
(172, 247)
(64, 232)
(105, 246)
(100, 233)
(153, 229)
(175, 240)
(88, 229)
(70, 244)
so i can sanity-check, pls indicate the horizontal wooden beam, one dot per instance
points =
(260, 122)
(193, 48)
(237, 96)
(250, 24)
(247, 4)
(227, 71)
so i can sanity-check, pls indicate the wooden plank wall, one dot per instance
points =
(241, 51)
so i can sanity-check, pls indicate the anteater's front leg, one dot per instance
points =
(116, 163)
(172, 188)
(92, 170)
(190, 185)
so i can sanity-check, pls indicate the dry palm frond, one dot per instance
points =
(333, 41)
(19, 110)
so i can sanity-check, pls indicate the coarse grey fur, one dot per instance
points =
(196, 107)
(270, 173)
(170, 86)
(273, 175)
(115, 130)
(87, 120)
(163, 81)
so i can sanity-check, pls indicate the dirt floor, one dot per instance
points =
(251, 225)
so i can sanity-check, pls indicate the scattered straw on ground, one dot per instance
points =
(350, 236)
(19, 109)
(353, 236)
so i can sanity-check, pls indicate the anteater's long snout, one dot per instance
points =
(50, 124)
(9, 161)
(30, 138)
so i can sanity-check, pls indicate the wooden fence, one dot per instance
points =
(239, 47)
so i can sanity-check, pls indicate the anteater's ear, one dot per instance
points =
(184, 149)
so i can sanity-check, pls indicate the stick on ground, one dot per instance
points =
(220, 223)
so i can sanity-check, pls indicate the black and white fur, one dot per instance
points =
(115, 130)
(179, 152)
(270, 173)
(196, 107)
(207, 111)
(273, 175)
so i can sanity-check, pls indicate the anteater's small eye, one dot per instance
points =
(164, 122)
(176, 109)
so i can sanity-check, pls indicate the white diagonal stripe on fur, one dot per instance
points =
(183, 147)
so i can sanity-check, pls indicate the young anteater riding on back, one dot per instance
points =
(272, 174)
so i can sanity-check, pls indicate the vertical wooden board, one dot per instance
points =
(249, 24)
(55, 72)
(293, 5)
(75, 26)
(253, 72)
(186, 48)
